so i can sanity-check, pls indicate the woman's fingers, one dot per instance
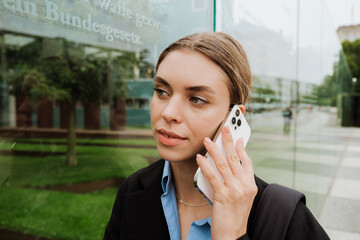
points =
(245, 159)
(233, 198)
(219, 160)
(230, 152)
(209, 172)
(235, 165)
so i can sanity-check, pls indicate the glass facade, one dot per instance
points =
(301, 92)
(76, 85)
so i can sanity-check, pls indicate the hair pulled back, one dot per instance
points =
(225, 52)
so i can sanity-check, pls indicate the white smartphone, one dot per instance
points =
(239, 128)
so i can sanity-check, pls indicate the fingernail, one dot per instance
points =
(241, 140)
(198, 156)
(207, 140)
(227, 129)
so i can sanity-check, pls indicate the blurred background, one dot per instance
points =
(77, 80)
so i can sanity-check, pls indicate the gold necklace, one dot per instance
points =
(190, 204)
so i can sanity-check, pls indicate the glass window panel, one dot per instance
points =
(86, 67)
(301, 92)
(79, 72)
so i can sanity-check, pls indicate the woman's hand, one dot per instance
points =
(234, 197)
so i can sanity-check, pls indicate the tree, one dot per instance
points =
(350, 89)
(327, 91)
(70, 79)
(336, 84)
(65, 74)
(352, 55)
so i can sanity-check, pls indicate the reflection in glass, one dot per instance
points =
(75, 91)
(71, 100)
(298, 72)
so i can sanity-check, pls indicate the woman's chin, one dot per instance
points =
(173, 156)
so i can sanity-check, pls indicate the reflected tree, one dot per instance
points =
(21, 59)
(70, 79)
(62, 73)
(352, 55)
(336, 84)
(350, 86)
(327, 91)
(65, 72)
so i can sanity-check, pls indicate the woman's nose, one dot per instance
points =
(173, 110)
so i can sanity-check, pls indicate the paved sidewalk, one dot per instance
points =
(323, 163)
(340, 214)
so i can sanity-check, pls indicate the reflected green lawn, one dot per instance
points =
(57, 215)
(145, 142)
(94, 163)
(62, 215)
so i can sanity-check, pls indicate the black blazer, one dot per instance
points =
(138, 213)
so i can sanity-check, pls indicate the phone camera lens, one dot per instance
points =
(237, 113)
(233, 120)
(239, 122)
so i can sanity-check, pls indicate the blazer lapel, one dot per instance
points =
(144, 213)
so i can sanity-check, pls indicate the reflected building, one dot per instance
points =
(350, 32)
(118, 41)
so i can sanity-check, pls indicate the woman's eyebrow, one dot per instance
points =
(200, 89)
(160, 80)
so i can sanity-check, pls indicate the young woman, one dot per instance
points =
(198, 79)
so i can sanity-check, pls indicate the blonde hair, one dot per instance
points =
(225, 52)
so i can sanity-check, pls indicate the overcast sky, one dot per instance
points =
(335, 13)
(314, 30)
(340, 11)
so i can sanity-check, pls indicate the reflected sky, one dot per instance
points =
(344, 12)
(271, 34)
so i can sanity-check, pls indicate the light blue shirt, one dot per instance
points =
(198, 230)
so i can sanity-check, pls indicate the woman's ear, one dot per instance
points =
(242, 108)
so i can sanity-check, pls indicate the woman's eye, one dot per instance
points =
(160, 92)
(198, 100)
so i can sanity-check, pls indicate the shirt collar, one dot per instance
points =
(166, 177)
(202, 222)
(166, 182)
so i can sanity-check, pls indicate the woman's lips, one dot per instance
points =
(169, 138)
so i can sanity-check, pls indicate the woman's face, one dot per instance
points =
(190, 101)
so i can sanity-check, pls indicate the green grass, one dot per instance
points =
(32, 147)
(94, 163)
(54, 214)
(138, 127)
(61, 215)
(79, 141)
